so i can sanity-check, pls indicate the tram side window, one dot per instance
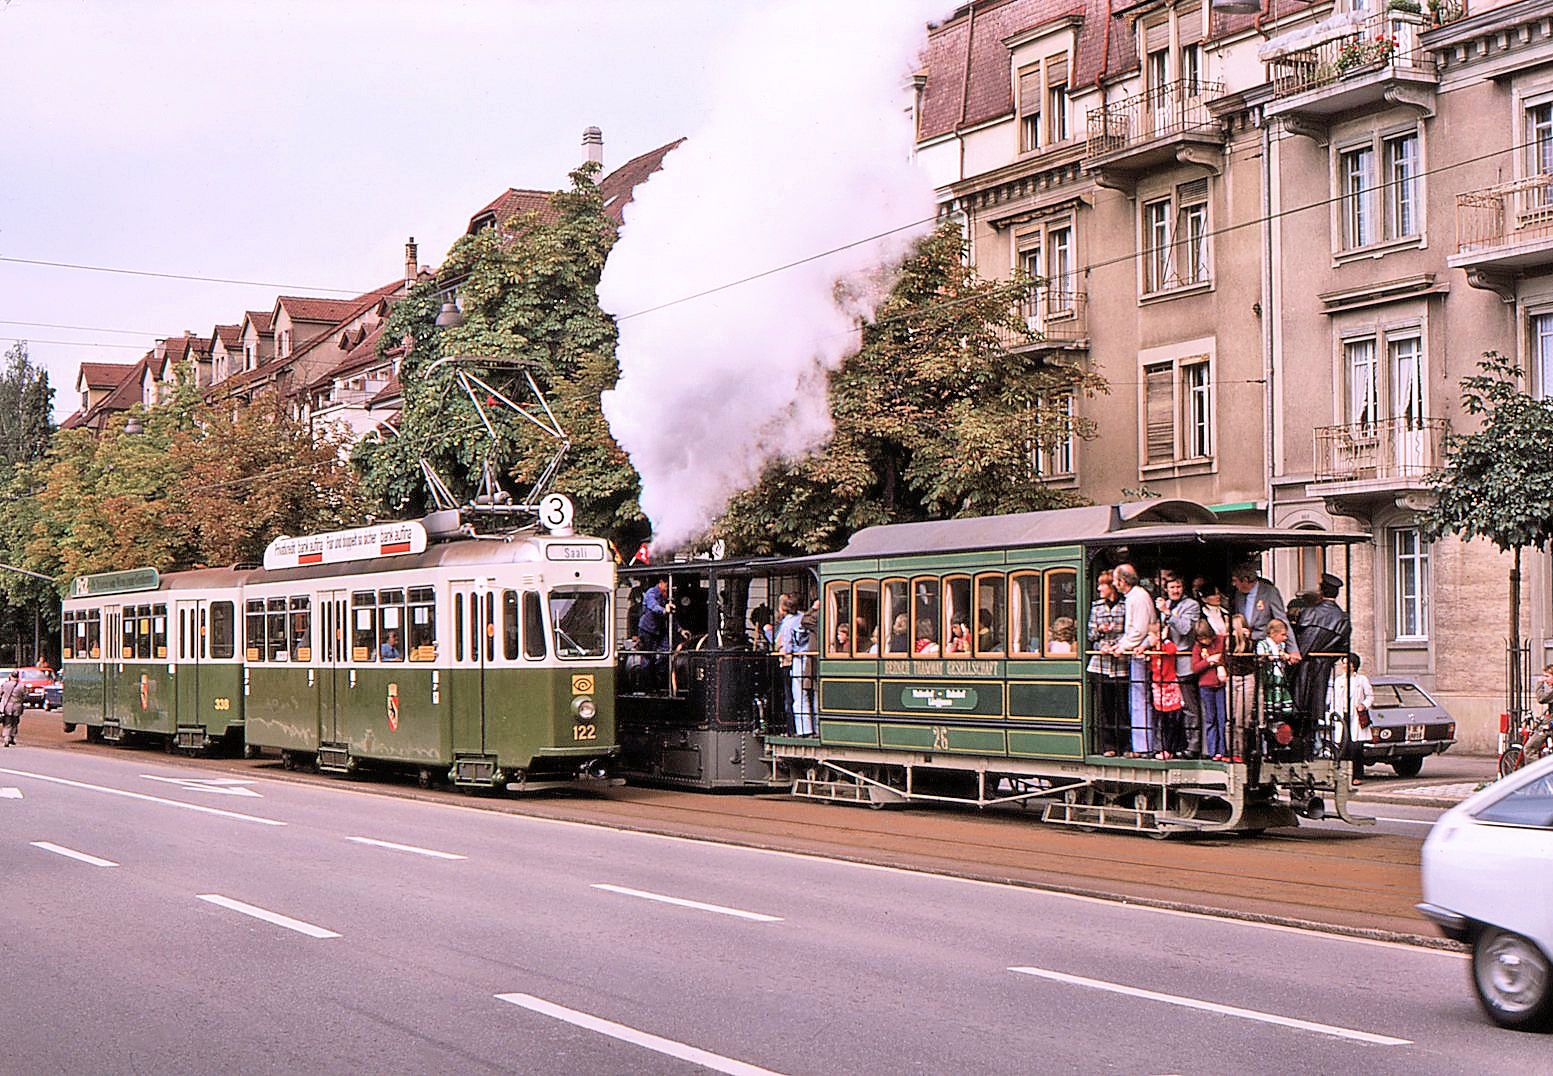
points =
(364, 625)
(143, 634)
(127, 632)
(1024, 615)
(490, 625)
(458, 627)
(301, 636)
(390, 625)
(509, 620)
(159, 631)
(275, 630)
(67, 637)
(838, 620)
(423, 624)
(223, 624)
(957, 615)
(991, 615)
(865, 619)
(93, 634)
(533, 626)
(254, 630)
(924, 617)
(1061, 613)
(897, 618)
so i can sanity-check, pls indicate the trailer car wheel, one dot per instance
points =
(423, 778)
(250, 750)
(1513, 980)
(69, 727)
(288, 761)
(1408, 765)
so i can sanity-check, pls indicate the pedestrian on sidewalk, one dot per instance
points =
(1350, 697)
(11, 696)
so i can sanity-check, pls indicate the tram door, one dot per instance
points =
(112, 658)
(474, 648)
(333, 693)
(190, 651)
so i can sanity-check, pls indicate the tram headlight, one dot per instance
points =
(584, 708)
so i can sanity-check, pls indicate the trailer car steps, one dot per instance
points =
(335, 758)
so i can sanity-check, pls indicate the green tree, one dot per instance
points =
(528, 289)
(26, 424)
(939, 413)
(1497, 482)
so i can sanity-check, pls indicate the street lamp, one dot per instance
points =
(450, 316)
(134, 427)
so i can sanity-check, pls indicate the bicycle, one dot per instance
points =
(1516, 755)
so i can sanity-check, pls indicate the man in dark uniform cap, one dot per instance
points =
(1323, 628)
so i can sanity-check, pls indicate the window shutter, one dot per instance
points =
(1156, 38)
(1189, 24)
(1057, 70)
(1159, 414)
(1030, 91)
(1195, 191)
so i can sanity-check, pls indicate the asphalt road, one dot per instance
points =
(269, 932)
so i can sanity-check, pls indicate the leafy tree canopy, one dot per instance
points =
(528, 290)
(938, 414)
(1497, 482)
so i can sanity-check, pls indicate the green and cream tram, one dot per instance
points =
(485, 659)
(952, 666)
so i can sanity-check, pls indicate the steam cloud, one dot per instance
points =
(807, 148)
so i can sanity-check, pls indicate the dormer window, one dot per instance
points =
(84, 404)
(1044, 110)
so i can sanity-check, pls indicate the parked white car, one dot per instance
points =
(1488, 881)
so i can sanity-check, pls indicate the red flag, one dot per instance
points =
(643, 555)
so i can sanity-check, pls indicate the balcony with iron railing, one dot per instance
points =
(1385, 456)
(1055, 320)
(1348, 62)
(1170, 121)
(1504, 230)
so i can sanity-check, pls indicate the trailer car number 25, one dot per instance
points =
(585, 732)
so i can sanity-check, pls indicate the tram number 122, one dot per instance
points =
(585, 732)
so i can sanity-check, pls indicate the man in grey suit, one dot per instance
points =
(1179, 615)
(1259, 602)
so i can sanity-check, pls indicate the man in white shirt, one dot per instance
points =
(1134, 640)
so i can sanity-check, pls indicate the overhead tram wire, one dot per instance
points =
(1086, 268)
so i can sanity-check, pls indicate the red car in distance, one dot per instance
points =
(35, 682)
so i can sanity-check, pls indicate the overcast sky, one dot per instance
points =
(298, 143)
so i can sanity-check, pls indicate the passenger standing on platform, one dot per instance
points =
(1350, 698)
(1107, 623)
(1139, 614)
(1275, 657)
(1240, 657)
(805, 643)
(12, 695)
(1165, 690)
(1180, 615)
(1260, 603)
(788, 622)
(1213, 610)
(1208, 664)
(1323, 629)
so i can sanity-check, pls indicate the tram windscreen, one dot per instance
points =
(581, 623)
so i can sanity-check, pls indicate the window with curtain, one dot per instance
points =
(1542, 354)
(1156, 238)
(1363, 389)
(1197, 397)
(1407, 381)
(1401, 186)
(1358, 185)
(1410, 584)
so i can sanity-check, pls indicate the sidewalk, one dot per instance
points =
(1446, 780)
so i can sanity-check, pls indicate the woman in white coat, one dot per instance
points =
(1349, 700)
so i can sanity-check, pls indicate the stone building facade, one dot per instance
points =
(1283, 238)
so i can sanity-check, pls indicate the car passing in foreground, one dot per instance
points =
(1488, 881)
(35, 682)
(1406, 726)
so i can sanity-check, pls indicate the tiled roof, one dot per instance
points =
(231, 336)
(261, 319)
(128, 394)
(303, 308)
(362, 354)
(73, 421)
(390, 391)
(105, 375)
(509, 204)
(200, 345)
(619, 186)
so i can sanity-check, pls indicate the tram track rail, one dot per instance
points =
(1358, 883)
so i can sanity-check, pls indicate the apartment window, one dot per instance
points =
(1410, 583)
(1197, 398)
(1401, 186)
(1156, 237)
(1358, 186)
(1380, 207)
(1191, 70)
(1542, 354)
(1407, 381)
(1175, 233)
(1178, 411)
(1030, 108)
(1539, 139)
(1363, 384)
(1060, 269)
(1054, 453)
(1057, 98)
